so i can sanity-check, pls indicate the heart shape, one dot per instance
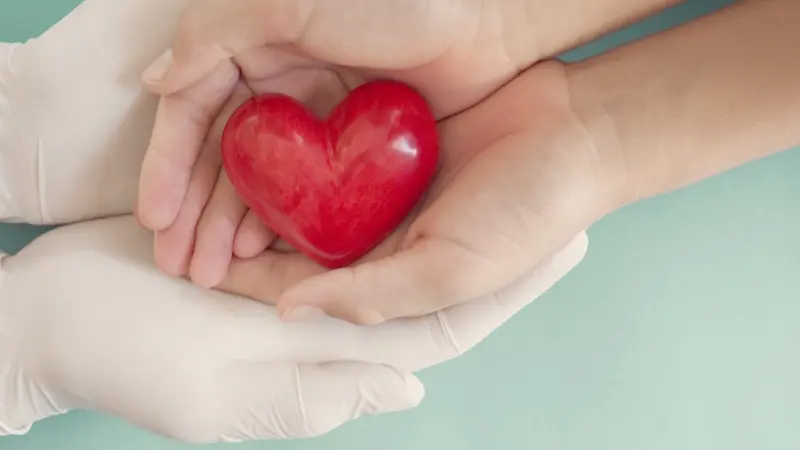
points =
(333, 188)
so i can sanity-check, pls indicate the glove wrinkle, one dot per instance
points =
(40, 184)
(15, 390)
(9, 367)
(447, 332)
(301, 406)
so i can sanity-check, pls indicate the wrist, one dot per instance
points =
(568, 152)
(679, 107)
(598, 121)
(14, 414)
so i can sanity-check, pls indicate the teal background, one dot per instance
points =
(678, 331)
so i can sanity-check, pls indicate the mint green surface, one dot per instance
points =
(678, 332)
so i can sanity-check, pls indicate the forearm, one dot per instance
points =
(684, 105)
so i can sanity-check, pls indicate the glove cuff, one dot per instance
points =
(22, 401)
(9, 391)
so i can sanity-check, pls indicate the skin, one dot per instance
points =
(553, 151)
(455, 53)
(695, 101)
(479, 226)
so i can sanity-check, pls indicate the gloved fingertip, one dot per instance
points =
(406, 394)
(416, 391)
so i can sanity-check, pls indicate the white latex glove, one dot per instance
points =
(87, 321)
(74, 119)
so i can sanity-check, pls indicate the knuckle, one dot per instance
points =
(196, 112)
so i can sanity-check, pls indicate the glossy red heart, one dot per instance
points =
(333, 188)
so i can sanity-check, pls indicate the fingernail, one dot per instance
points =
(156, 72)
(366, 317)
(301, 313)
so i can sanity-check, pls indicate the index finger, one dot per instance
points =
(181, 125)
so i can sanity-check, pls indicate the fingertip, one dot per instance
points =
(151, 218)
(172, 73)
(252, 237)
(157, 71)
(167, 258)
(301, 313)
(180, 130)
(331, 294)
(291, 310)
(142, 210)
(206, 273)
(415, 389)
(243, 247)
(156, 215)
(209, 263)
(300, 303)
(158, 203)
(212, 258)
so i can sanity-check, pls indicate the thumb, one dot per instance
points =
(427, 277)
(211, 31)
(283, 401)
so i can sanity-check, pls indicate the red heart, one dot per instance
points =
(333, 189)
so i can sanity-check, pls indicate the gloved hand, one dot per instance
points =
(74, 119)
(74, 123)
(87, 321)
